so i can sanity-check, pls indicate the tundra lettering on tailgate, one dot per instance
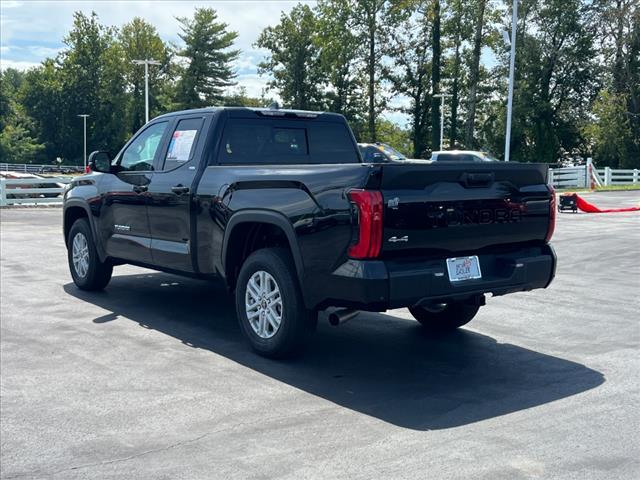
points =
(456, 215)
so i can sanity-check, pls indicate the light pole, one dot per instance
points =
(84, 121)
(442, 96)
(512, 68)
(146, 64)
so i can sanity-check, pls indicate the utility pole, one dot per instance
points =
(146, 64)
(84, 121)
(442, 96)
(512, 68)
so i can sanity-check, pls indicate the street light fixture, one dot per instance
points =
(146, 64)
(84, 121)
(512, 67)
(442, 96)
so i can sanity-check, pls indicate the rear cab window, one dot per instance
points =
(276, 141)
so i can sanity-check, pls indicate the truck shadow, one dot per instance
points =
(376, 364)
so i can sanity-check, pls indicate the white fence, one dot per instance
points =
(600, 177)
(29, 168)
(41, 190)
(31, 190)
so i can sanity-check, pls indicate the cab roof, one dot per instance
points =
(249, 112)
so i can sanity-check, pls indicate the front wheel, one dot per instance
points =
(269, 304)
(445, 317)
(87, 271)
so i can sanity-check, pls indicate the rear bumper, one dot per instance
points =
(380, 285)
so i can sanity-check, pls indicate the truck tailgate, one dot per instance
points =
(462, 207)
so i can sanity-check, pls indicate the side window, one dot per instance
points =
(331, 143)
(183, 143)
(140, 153)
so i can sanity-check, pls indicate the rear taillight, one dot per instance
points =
(369, 205)
(552, 214)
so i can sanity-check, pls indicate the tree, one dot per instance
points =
(41, 95)
(620, 44)
(208, 52)
(239, 98)
(410, 72)
(339, 60)
(139, 40)
(609, 133)
(457, 31)
(294, 59)
(394, 135)
(372, 31)
(17, 139)
(435, 75)
(558, 79)
(474, 74)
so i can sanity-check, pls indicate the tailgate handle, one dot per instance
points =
(471, 180)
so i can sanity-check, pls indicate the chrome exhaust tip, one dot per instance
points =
(342, 315)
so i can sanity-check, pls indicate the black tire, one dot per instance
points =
(296, 322)
(98, 273)
(450, 317)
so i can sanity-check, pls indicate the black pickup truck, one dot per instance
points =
(279, 205)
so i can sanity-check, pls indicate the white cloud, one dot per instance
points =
(11, 4)
(399, 118)
(32, 31)
(254, 84)
(17, 64)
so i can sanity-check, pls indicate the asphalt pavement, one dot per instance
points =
(151, 378)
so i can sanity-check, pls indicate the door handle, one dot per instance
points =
(179, 189)
(140, 188)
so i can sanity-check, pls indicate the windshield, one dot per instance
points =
(490, 157)
(392, 153)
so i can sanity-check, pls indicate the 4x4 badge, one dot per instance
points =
(401, 239)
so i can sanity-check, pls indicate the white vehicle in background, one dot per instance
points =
(383, 153)
(461, 156)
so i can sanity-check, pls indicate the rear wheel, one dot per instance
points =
(445, 317)
(87, 271)
(269, 304)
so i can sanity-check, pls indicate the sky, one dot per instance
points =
(32, 30)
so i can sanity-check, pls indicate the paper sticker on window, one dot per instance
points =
(180, 145)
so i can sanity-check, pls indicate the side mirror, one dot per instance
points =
(100, 161)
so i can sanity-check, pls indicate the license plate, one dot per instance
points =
(463, 268)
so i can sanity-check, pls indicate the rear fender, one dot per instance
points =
(268, 217)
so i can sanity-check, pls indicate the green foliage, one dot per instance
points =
(610, 132)
(43, 98)
(577, 90)
(340, 60)
(210, 57)
(17, 145)
(371, 22)
(294, 60)
(391, 134)
(239, 98)
(139, 40)
(17, 142)
(410, 73)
